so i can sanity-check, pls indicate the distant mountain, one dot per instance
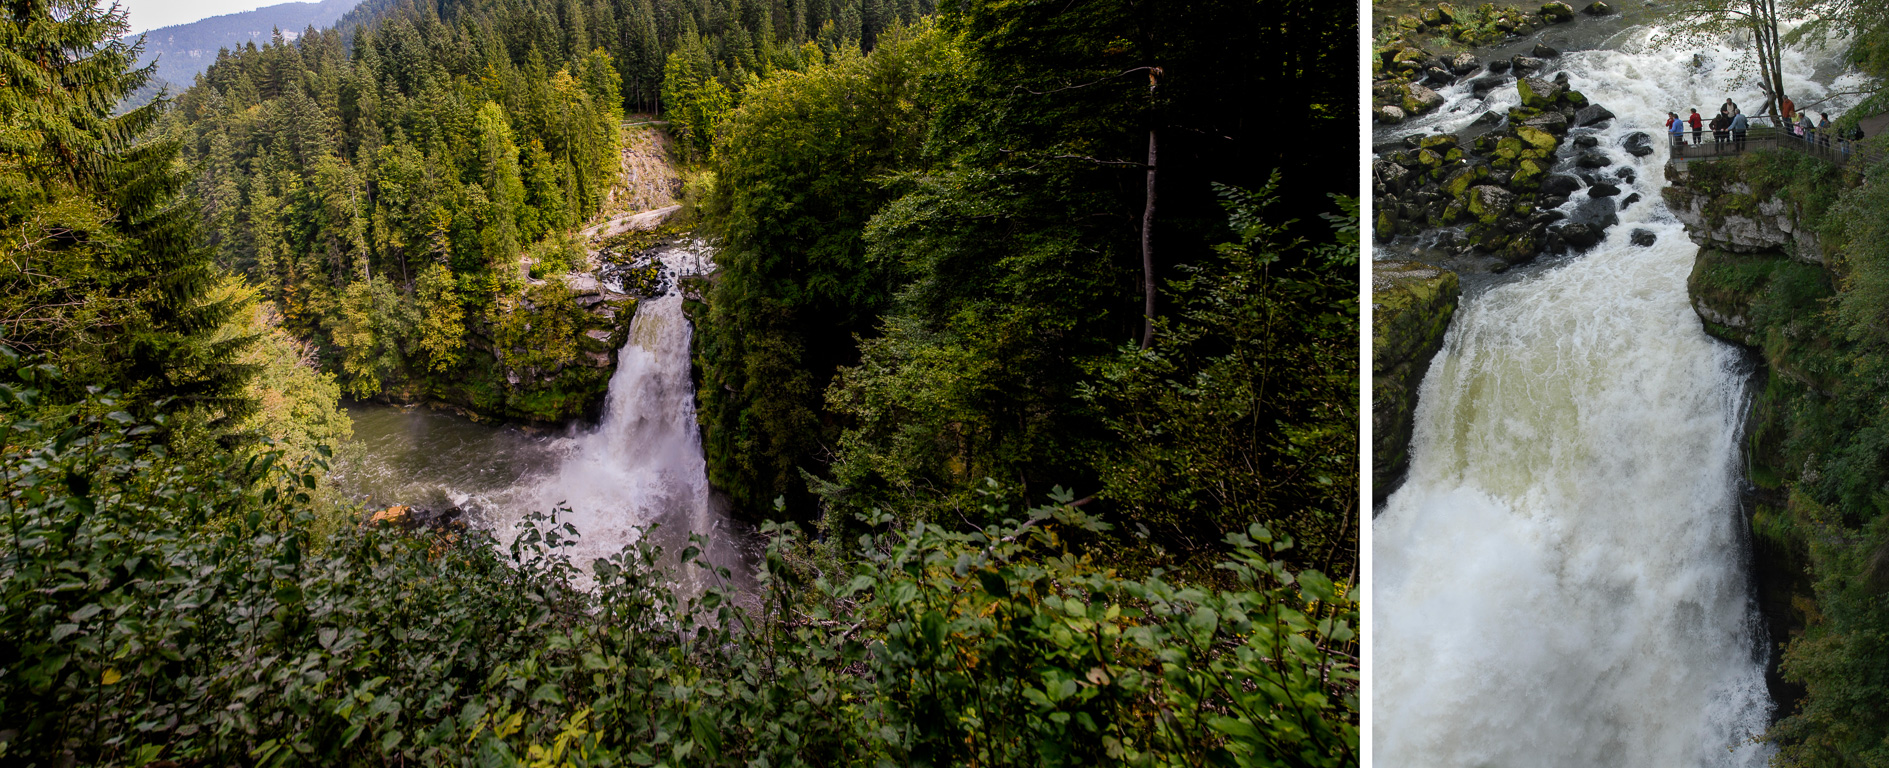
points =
(185, 50)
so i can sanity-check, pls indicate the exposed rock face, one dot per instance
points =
(1727, 215)
(1412, 304)
(1495, 181)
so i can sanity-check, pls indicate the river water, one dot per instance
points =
(640, 466)
(1561, 580)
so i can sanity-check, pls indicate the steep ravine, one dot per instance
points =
(1563, 578)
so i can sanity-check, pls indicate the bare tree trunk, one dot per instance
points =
(1147, 228)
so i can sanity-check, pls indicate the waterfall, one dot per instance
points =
(643, 463)
(1561, 580)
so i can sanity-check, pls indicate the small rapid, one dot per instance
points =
(1561, 580)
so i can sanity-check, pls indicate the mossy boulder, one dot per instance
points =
(1412, 304)
(1557, 12)
(1537, 138)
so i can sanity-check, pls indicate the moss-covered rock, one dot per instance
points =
(1412, 304)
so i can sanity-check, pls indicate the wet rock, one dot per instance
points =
(1552, 122)
(1412, 304)
(1638, 144)
(1579, 235)
(1629, 200)
(1542, 51)
(1625, 174)
(1388, 114)
(1499, 66)
(1643, 237)
(1592, 114)
(1597, 8)
(1393, 176)
(1586, 142)
(1557, 12)
(1439, 76)
(1482, 85)
(1560, 184)
(1593, 159)
(1596, 212)
(1603, 190)
(1421, 100)
(1490, 117)
(1526, 65)
(1464, 63)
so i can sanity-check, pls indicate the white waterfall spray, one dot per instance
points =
(1560, 582)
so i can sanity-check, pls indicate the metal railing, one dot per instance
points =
(1764, 133)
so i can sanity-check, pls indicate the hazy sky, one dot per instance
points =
(151, 14)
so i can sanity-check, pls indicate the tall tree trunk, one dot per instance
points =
(1147, 227)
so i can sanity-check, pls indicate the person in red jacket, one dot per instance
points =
(1697, 123)
(1789, 107)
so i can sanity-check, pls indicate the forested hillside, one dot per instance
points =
(1032, 352)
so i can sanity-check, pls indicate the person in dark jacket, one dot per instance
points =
(1721, 130)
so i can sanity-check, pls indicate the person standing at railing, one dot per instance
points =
(1728, 109)
(1676, 127)
(1807, 129)
(1739, 127)
(1789, 108)
(1697, 123)
(1823, 129)
(1721, 130)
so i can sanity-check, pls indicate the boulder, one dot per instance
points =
(1586, 142)
(1499, 66)
(1603, 189)
(1579, 235)
(1538, 93)
(1526, 65)
(1488, 203)
(1593, 159)
(1464, 63)
(1388, 114)
(1411, 308)
(1592, 114)
(1643, 237)
(1439, 76)
(1638, 144)
(1597, 8)
(1421, 100)
(1552, 122)
(1560, 184)
(1557, 12)
(1490, 117)
(1536, 137)
(1542, 51)
(1439, 16)
(1482, 85)
(1629, 200)
(1394, 177)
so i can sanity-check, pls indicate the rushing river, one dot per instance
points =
(1561, 581)
(640, 466)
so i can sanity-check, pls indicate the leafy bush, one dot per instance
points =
(159, 610)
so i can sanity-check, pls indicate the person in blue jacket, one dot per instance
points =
(1676, 127)
(1739, 126)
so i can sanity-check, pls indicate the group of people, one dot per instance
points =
(1731, 127)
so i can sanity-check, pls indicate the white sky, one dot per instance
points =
(151, 14)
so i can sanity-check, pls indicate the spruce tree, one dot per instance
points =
(101, 267)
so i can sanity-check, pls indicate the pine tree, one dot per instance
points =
(103, 268)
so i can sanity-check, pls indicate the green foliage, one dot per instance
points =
(152, 611)
(796, 180)
(99, 266)
(1246, 401)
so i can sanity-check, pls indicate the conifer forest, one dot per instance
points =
(1018, 350)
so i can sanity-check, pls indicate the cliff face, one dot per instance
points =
(1762, 281)
(1412, 304)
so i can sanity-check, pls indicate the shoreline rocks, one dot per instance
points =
(1404, 71)
(1501, 185)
